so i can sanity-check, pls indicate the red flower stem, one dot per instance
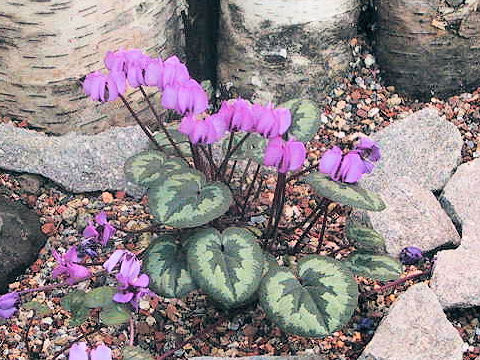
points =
(397, 282)
(210, 160)
(162, 125)
(199, 335)
(224, 163)
(277, 208)
(196, 159)
(298, 174)
(240, 143)
(319, 211)
(232, 171)
(250, 190)
(132, 331)
(324, 226)
(245, 171)
(145, 129)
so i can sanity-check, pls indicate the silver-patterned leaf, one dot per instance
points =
(227, 266)
(185, 199)
(365, 238)
(346, 194)
(316, 303)
(149, 166)
(178, 138)
(115, 314)
(136, 353)
(376, 267)
(252, 148)
(99, 297)
(166, 264)
(305, 118)
(39, 308)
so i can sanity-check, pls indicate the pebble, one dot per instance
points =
(69, 215)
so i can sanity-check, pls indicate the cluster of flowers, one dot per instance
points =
(80, 351)
(350, 167)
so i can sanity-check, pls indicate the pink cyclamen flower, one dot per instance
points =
(368, 149)
(205, 131)
(330, 162)
(115, 258)
(154, 73)
(130, 63)
(101, 87)
(187, 97)
(174, 72)
(348, 168)
(79, 351)
(271, 122)
(238, 115)
(130, 281)
(284, 155)
(7, 304)
(67, 266)
(102, 231)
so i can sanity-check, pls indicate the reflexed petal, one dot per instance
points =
(284, 118)
(108, 232)
(77, 273)
(199, 132)
(200, 100)
(169, 97)
(58, 258)
(296, 155)
(78, 351)
(123, 298)
(369, 148)
(130, 268)
(141, 281)
(330, 161)
(59, 270)
(90, 231)
(113, 260)
(154, 73)
(101, 218)
(273, 152)
(7, 313)
(352, 168)
(9, 300)
(187, 125)
(101, 352)
(71, 255)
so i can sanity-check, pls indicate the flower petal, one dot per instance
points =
(330, 161)
(7, 313)
(78, 351)
(141, 281)
(9, 300)
(113, 260)
(122, 297)
(101, 352)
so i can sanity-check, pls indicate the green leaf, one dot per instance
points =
(346, 194)
(99, 297)
(227, 266)
(305, 118)
(178, 138)
(39, 308)
(115, 314)
(252, 148)
(316, 303)
(376, 267)
(166, 264)
(149, 166)
(365, 238)
(75, 303)
(136, 353)
(185, 199)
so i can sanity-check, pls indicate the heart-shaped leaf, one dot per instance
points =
(136, 353)
(376, 267)
(178, 138)
(115, 314)
(149, 166)
(39, 308)
(346, 194)
(227, 266)
(305, 118)
(316, 303)
(100, 297)
(166, 264)
(365, 238)
(253, 148)
(75, 303)
(185, 199)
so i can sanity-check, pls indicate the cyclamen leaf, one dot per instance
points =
(305, 118)
(99, 297)
(320, 301)
(178, 138)
(115, 314)
(346, 194)
(165, 262)
(75, 303)
(39, 308)
(376, 267)
(228, 266)
(149, 166)
(185, 199)
(365, 238)
(136, 353)
(253, 148)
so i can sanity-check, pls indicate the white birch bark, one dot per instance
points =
(280, 49)
(46, 46)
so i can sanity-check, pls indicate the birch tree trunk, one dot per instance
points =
(429, 47)
(280, 49)
(46, 46)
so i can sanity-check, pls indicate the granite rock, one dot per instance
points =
(261, 357)
(415, 328)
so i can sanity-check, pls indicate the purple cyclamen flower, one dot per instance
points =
(130, 281)
(205, 131)
(330, 162)
(284, 155)
(7, 304)
(130, 63)
(154, 73)
(238, 115)
(102, 231)
(348, 168)
(115, 258)
(411, 255)
(67, 266)
(79, 351)
(174, 72)
(101, 87)
(271, 122)
(368, 149)
(187, 97)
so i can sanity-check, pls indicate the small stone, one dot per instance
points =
(107, 197)
(369, 60)
(49, 229)
(30, 183)
(373, 112)
(150, 320)
(144, 304)
(47, 320)
(69, 215)
(395, 100)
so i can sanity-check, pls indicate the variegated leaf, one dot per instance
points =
(252, 148)
(149, 166)
(227, 266)
(316, 303)
(377, 267)
(305, 118)
(178, 138)
(99, 297)
(136, 353)
(365, 238)
(166, 264)
(184, 199)
(346, 194)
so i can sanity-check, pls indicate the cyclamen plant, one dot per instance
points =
(203, 204)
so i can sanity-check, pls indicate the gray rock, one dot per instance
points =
(79, 163)
(20, 240)
(413, 217)
(456, 279)
(416, 328)
(301, 357)
(30, 183)
(460, 195)
(423, 146)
